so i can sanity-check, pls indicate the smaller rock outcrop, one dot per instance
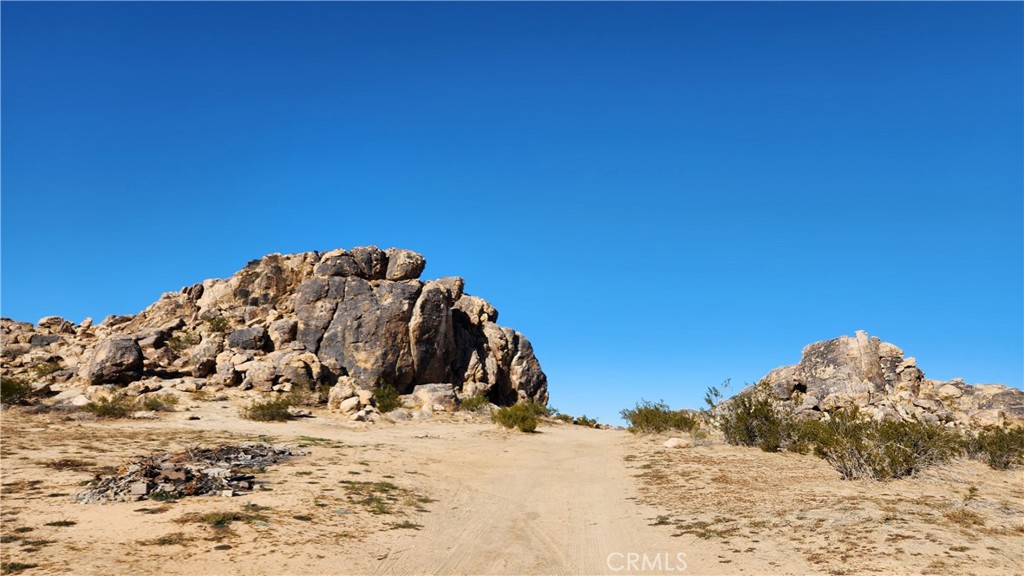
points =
(876, 377)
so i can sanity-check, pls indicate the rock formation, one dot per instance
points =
(876, 377)
(283, 321)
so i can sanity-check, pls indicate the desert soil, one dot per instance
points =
(456, 495)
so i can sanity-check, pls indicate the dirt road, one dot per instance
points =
(555, 502)
(560, 501)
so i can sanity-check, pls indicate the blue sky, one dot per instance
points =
(660, 196)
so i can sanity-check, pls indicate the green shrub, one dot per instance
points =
(387, 397)
(14, 390)
(584, 421)
(753, 418)
(859, 447)
(113, 406)
(648, 417)
(474, 403)
(1000, 448)
(269, 410)
(218, 324)
(522, 416)
(568, 419)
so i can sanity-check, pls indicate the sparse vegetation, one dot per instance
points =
(1000, 448)
(381, 497)
(61, 523)
(113, 406)
(387, 398)
(859, 447)
(524, 416)
(11, 567)
(221, 520)
(474, 403)
(268, 410)
(14, 390)
(44, 369)
(855, 445)
(584, 421)
(182, 340)
(752, 418)
(158, 402)
(218, 324)
(653, 417)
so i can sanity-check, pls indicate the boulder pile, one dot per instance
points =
(875, 376)
(360, 318)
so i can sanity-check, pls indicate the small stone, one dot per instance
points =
(227, 493)
(139, 489)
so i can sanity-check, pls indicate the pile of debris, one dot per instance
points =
(225, 471)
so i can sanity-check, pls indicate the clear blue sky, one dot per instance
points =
(660, 196)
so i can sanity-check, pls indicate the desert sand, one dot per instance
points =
(459, 495)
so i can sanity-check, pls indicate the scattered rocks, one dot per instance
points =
(225, 471)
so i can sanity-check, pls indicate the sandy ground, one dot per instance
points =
(464, 497)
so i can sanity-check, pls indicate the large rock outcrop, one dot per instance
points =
(295, 320)
(876, 377)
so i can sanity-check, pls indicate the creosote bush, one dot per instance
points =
(854, 444)
(859, 447)
(268, 410)
(652, 417)
(524, 416)
(14, 390)
(387, 398)
(113, 406)
(474, 403)
(584, 421)
(752, 418)
(1000, 448)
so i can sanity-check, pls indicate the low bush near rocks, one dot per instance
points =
(269, 410)
(653, 417)
(474, 403)
(859, 447)
(114, 406)
(14, 390)
(523, 416)
(1000, 448)
(158, 402)
(584, 421)
(387, 398)
(854, 444)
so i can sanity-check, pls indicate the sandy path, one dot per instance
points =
(561, 501)
(554, 502)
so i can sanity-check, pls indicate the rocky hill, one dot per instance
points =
(875, 376)
(360, 316)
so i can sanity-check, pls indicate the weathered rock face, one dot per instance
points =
(307, 319)
(875, 376)
(116, 360)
